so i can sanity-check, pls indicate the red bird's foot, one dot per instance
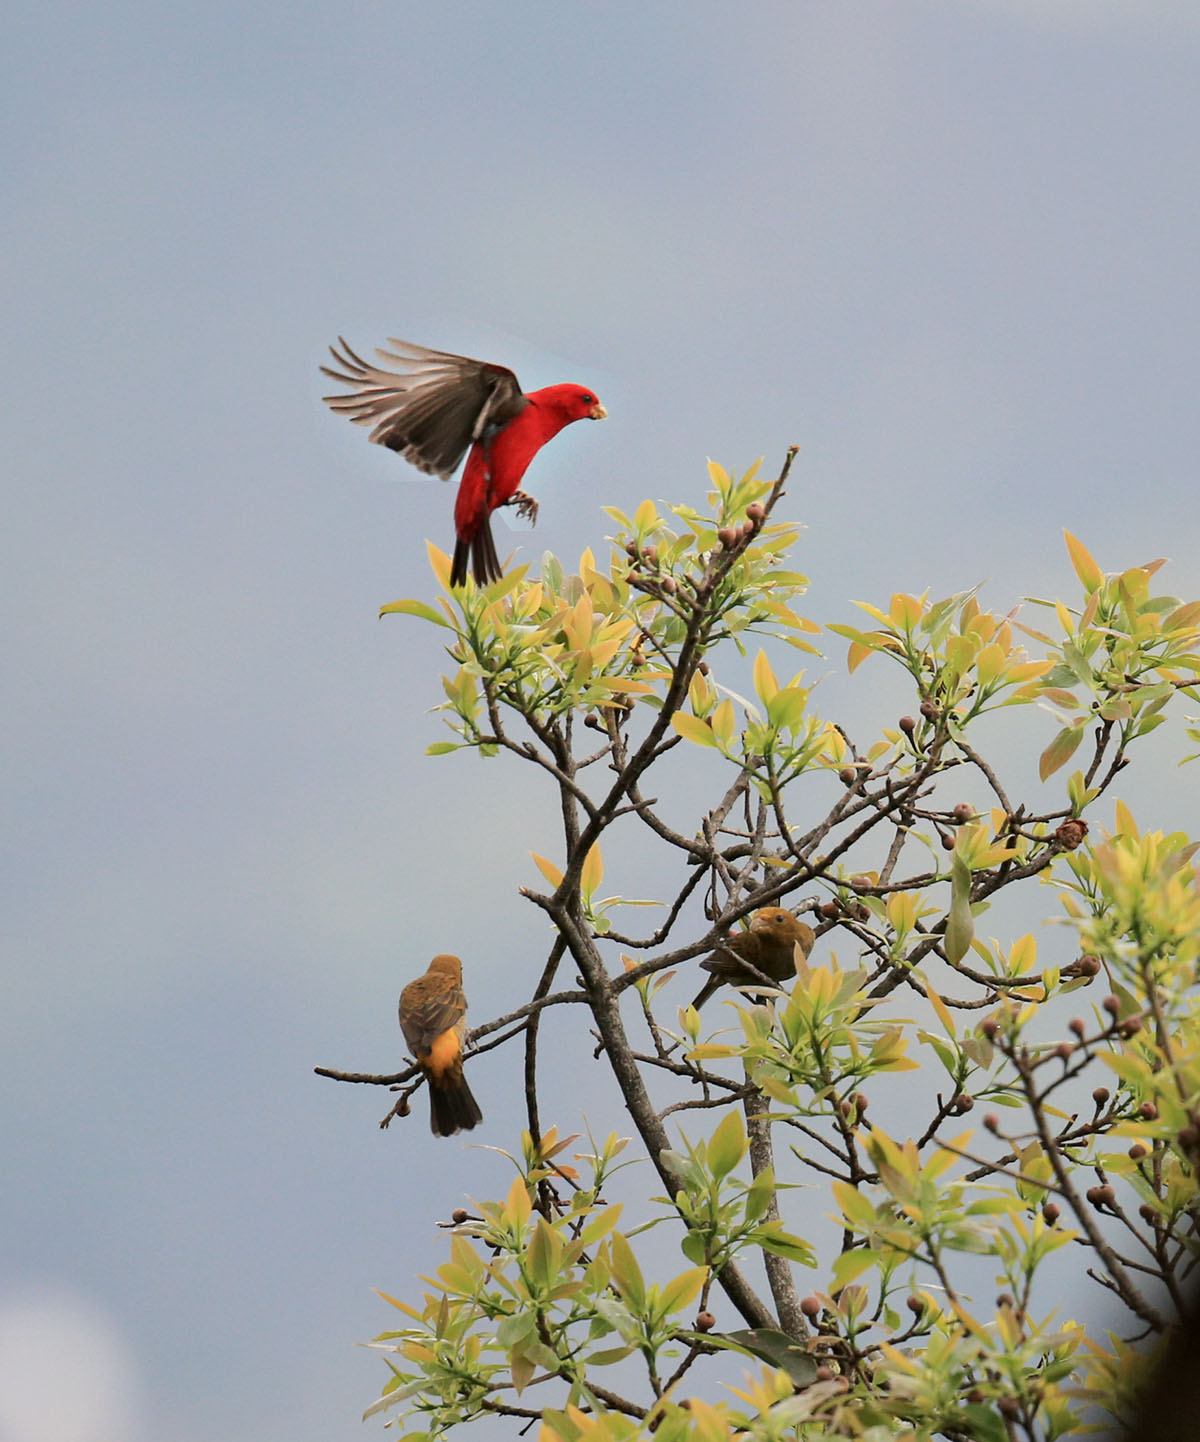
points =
(527, 507)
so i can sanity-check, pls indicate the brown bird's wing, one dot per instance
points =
(426, 1012)
(430, 409)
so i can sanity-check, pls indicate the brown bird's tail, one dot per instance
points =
(710, 986)
(452, 1107)
(481, 551)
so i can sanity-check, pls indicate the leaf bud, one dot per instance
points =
(1071, 833)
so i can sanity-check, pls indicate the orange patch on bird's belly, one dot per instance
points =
(444, 1052)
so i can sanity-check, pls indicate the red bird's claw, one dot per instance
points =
(527, 507)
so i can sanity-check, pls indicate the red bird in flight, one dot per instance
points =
(437, 405)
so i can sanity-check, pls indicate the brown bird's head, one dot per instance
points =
(779, 924)
(448, 966)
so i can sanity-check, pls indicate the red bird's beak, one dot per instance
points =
(597, 412)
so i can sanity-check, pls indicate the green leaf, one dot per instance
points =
(960, 925)
(727, 1145)
(684, 1289)
(772, 1346)
(414, 608)
(853, 1264)
(626, 1272)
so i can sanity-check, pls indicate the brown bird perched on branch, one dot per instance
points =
(769, 946)
(433, 1013)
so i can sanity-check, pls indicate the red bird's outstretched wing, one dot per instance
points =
(430, 409)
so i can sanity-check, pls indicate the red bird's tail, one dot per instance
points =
(480, 549)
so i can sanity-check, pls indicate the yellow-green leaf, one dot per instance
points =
(548, 869)
(593, 870)
(1086, 569)
(691, 728)
(1060, 750)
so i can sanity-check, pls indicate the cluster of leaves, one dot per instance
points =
(1085, 1151)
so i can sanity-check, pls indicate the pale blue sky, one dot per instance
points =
(949, 248)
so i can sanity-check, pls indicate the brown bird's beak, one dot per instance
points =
(597, 412)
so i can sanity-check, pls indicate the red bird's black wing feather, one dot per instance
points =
(430, 409)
